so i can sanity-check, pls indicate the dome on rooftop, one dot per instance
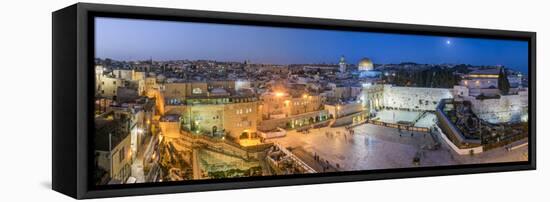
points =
(365, 64)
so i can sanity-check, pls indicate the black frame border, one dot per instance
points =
(84, 93)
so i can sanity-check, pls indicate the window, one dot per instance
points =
(121, 154)
(243, 124)
(197, 91)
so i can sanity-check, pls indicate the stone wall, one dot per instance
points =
(413, 98)
(506, 108)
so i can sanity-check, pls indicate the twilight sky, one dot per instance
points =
(129, 39)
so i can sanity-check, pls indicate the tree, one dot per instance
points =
(503, 84)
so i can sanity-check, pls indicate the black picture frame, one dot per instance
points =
(72, 83)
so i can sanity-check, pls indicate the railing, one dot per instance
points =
(460, 151)
(296, 159)
(399, 126)
(224, 142)
(449, 127)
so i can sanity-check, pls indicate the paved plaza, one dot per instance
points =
(377, 147)
(371, 147)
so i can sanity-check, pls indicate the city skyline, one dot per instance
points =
(188, 120)
(128, 39)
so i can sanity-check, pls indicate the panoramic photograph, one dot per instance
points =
(183, 101)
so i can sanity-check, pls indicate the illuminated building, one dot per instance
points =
(346, 113)
(150, 85)
(242, 84)
(372, 97)
(365, 64)
(128, 74)
(300, 121)
(502, 109)
(291, 110)
(281, 104)
(342, 64)
(217, 117)
(140, 114)
(106, 86)
(214, 109)
(177, 92)
(481, 79)
(112, 149)
(108, 83)
(336, 92)
(480, 88)
(366, 69)
(223, 84)
(496, 108)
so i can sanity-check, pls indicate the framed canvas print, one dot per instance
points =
(154, 100)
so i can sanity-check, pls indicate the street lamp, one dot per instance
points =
(337, 111)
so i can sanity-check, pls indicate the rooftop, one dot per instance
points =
(485, 72)
(109, 133)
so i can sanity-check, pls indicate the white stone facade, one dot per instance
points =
(507, 108)
(500, 108)
(413, 98)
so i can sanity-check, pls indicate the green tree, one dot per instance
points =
(503, 84)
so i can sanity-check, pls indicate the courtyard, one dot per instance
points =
(372, 147)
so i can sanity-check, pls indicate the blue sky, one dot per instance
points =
(129, 39)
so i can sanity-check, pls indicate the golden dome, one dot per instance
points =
(365, 64)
